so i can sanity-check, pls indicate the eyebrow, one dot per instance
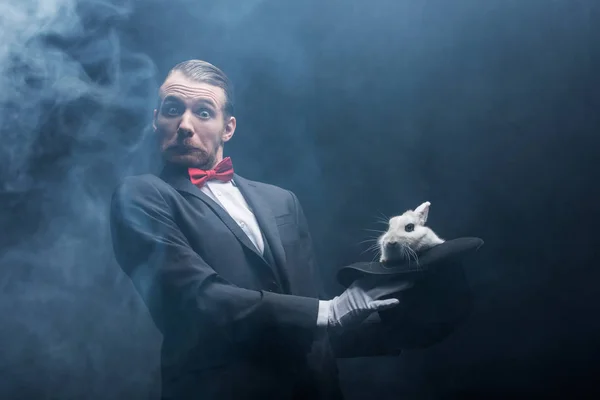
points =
(208, 102)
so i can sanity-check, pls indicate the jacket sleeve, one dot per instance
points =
(178, 285)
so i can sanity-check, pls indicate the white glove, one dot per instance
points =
(361, 299)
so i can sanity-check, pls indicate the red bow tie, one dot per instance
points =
(223, 171)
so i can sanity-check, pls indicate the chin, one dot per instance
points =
(184, 160)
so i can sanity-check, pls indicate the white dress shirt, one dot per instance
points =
(228, 196)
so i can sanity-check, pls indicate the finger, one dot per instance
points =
(379, 305)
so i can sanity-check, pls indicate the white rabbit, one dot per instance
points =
(407, 235)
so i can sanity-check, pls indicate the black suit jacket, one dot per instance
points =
(235, 324)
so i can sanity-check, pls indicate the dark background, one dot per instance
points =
(488, 109)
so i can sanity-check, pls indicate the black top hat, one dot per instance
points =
(440, 299)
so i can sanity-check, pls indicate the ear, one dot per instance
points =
(154, 119)
(230, 125)
(422, 212)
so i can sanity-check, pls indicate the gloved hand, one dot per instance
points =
(361, 299)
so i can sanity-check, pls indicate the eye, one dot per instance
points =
(409, 227)
(204, 113)
(171, 110)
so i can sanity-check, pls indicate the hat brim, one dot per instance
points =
(454, 249)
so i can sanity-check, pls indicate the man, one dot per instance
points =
(226, 265)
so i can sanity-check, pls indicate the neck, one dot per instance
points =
(180, 169)
(213, 163)
(218, 157)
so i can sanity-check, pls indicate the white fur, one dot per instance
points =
(408, 243)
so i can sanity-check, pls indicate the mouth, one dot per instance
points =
(393, 252)
(182, 149)
(396, 252)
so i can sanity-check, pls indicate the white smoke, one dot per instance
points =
(74, 101)
(44, 45)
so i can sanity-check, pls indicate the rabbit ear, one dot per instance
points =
(422, 212)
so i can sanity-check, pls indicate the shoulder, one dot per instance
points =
(274, 193)
(140, 188)
(268, 189)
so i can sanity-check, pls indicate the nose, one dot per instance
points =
(185, 128)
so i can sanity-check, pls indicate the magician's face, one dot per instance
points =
(190, 122)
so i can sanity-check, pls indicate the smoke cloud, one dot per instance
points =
(72, 97)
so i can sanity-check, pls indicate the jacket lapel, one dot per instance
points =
(267, 223)
(180, 181)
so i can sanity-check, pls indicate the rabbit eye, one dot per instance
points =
(409, 227)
